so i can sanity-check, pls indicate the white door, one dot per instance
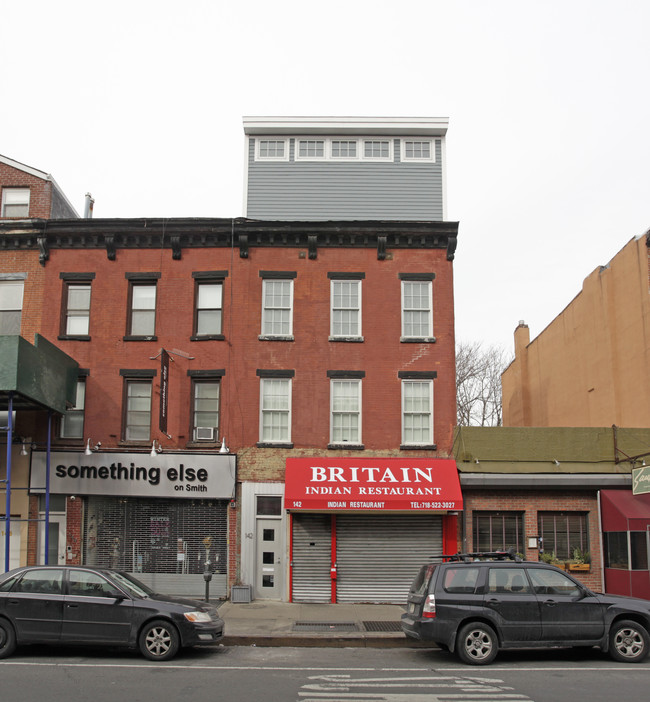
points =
(269, 567)
(56, 545)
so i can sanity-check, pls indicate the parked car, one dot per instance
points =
(80, 605)
(476, 604)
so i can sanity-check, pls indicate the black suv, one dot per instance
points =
(477, 603)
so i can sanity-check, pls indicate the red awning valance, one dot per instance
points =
(426, 484)
(623, 511)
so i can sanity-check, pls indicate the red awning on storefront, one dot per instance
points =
(343, 484)
(623, 511)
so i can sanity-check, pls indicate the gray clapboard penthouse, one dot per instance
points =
(345, 168)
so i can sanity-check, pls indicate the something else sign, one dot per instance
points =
(427, 484)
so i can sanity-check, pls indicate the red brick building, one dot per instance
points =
(224, 361)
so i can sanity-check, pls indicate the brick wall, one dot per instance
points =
(40, 195)
(531, 504)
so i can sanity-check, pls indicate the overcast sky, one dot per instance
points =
(141, 103)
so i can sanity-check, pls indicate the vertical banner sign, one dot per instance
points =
(164, 388)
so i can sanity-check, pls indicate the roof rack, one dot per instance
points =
(511, 555)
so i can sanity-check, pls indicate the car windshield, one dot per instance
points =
(132, 585)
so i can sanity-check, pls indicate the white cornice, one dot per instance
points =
(368, 126)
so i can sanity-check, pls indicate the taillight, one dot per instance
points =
(429, 608)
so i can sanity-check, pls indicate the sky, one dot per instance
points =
(141, 102)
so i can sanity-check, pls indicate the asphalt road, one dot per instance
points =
(317, 675)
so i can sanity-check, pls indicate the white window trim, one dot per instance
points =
(429, 336)
(283, 441)
(345, 336)
(383, 159)
(259, 140)
(359, 441)
(414, 443)
(405, 159)
(296, 148)
(7, 199)
(264, 335)
(327, 149)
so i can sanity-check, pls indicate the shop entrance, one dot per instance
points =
(56, 539)
(268, 559)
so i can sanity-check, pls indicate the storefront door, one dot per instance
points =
(56, 545)
(269, 569)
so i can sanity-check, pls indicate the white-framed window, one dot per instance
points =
(310, 149)
(15, 202)
(209, 306)
(143, 309)
(205, 409)
(418, 150)
(137, 414)
(417, 305)
(346, 309)
(269, 149)
(11, 306)
(72, 422)
(277, 308)
(77, 311)
(344, 148)
(345, 414)
(275, 410)
(378, 149)
(417, 412)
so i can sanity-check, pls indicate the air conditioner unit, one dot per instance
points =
(204, 434)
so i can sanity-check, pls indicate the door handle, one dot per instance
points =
(71, 605)
(550, 603)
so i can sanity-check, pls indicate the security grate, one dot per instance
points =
(156, 535)
(382, 626)
(325, 626)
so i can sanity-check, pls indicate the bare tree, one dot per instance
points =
(478, 384)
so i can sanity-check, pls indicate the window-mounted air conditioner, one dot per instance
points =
(204, 434)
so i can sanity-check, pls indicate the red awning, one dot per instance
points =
(623, 511)
(340, 484)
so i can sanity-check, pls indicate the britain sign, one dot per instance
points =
(416, 484)
(183, 475)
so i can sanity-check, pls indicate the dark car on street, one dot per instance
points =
(85, 605)
(476, 604)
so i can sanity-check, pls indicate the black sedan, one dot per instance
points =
(85, 605)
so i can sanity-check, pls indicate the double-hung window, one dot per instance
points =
(15, 202)
(76, 304)
(275, 406)
(206, 390)
(11, 306)
(208, 309)
(142, 306)
(345, 294)
(345, 407)
(277, 304)
(417, 306)
(72, 422)
(136, 418)
(417, 408)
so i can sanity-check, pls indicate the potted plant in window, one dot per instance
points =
(552, 559)
(581, 561)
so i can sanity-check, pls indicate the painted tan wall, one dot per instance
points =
(591, 366)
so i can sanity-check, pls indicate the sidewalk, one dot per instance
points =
(270, 623)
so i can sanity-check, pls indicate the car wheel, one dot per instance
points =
(159, 641)
(477, 644)
(7, 639)
(628, 642)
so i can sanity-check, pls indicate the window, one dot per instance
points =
(268, 506)
(508, 581)
(563, 532)
(417, 412)
(205, 410)
(498, 531)
(275, 403)
(15, 202)
(346, 308)
(209, 304)
(310, 149)
(72, 422)
(618, 551)
(272, 150)
(460, 580)
(340, 148)
(417, 317)
(11, 306)
(43, 582)
(417, 150)
(82, 583)
(142, 320)
(277, 303)
(345, 401)
(137, 416)
(77, 310)
(378, 149)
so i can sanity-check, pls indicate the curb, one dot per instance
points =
(325, 642)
